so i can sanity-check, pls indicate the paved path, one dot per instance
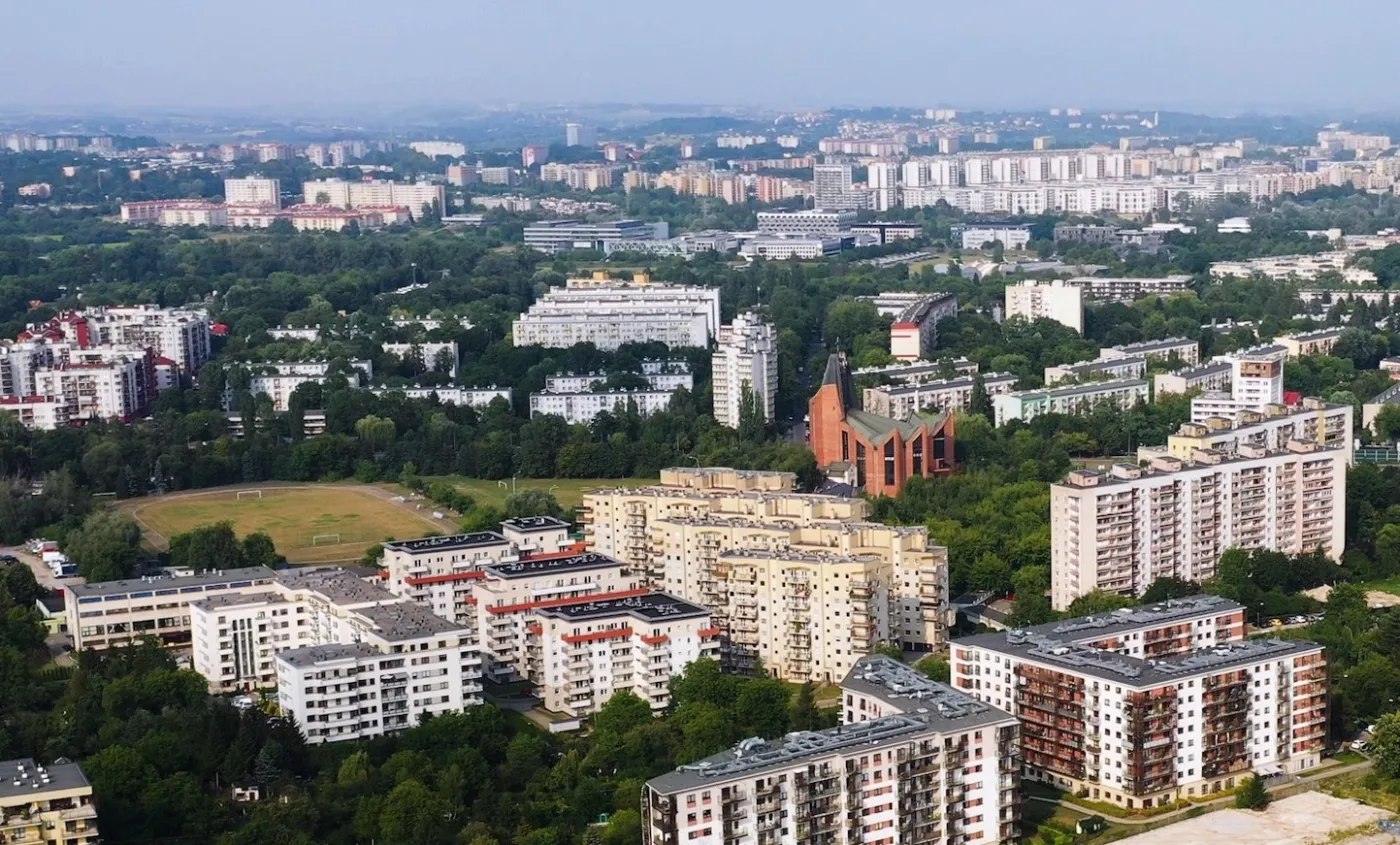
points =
(1225, 798)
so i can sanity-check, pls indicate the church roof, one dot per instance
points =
(839, 374)
(876, 428)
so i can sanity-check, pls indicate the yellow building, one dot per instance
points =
(46, 804)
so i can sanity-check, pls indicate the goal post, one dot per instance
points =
(249, 493)
(325, 540)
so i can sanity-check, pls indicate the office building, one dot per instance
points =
(746, 358)
(952, 394)
(345, 654)
(743, 543)
(552, 236)
(1124, 289)
(1152, 705)
(915, 316)
(1315, 421)
(253, 190)
(589, 651)
(869, 451)
(1212, 377)
(375, 193)
(888, 233)
(832, 189)
(941, 768)
(1319, 342)
(1054, 300)
(610, 313)
(579, 135)
(800, 247)
(109, 614)
(46, 805)
(1077, 400)
(1119, 531)
(810, 221)
(975, 236)
(1256, 381)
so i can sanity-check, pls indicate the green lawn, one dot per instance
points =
(569, 491)
(1389, 585)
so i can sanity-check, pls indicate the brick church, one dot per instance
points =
(873, 453)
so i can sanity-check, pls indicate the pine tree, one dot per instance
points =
(752, 421)
(1251, 795)
(980, 403)
(804, 715)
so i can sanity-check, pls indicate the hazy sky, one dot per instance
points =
(1209, 55)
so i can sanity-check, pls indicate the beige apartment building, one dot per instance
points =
(1324, 423)
(1303, 344)
(1119, 531)
(801, 583)
(46, 805)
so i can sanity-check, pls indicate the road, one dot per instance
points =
(41, 570)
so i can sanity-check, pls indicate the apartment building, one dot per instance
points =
(952, 394)
(585, 406)
(1031, 301)
(824, 221)
(1148, 706)
(349, 659)
(915, 316)
(439, 572)
(1079, 399)
(610, 313)
(552, 236)
(46, 805)
(1315, 421)
(121, 388)
(1123, 289)
(1011, 236)
(582, 654)
(1302, 267)
(253, 190)
(941, 768)
(659, 375)
(108, 614)
(1319, 342)
(799, 558)
(278, 380)
(179, 334)
(747, 355)
(1184, 349)
(1212, 377)
(431, 355)
(1120, 530)
(1256, 381)
(919, 371)
(1122, 367)
(376, 193)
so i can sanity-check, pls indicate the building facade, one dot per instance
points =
(747, 356)
(610, 313)
(953, 394)
(1055, 300)
(116, 613)
(47, 805)
(1078, 399)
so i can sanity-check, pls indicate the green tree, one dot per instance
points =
(991, 574)
(803, 715)
(980, 402)
(1097, 602)
(208, 547)
(414, 815)
(753, 421)
(622, 712)
(105, 547)
(1166, 588)
(889, 649)
(1385, 745)
(258, 550)
(1251, 794)
(533, 501)
(1387, 423)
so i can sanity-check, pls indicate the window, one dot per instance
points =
(889, 463)
(860, 464)
(918, 456)
(845, 445)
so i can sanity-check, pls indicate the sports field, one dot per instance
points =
(312, 524)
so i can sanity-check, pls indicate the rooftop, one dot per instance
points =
(1154, 345)
(652, 607)
(532, 524)
(449, 543)
(311, 655)
(531, 567)
(911, 690)
(1078, 389)
(335, 585)
(1098, 626)
(944, 384)
(23, 778)
(406, 620)
(199, 582)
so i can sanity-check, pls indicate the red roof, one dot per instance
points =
(1292, 397)
(218, 329)
(658, 640)
(614, 634)
(711, 632)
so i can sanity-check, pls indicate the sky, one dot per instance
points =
(1214, 56)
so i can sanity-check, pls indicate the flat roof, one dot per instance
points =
(1100, 625)
(336, 585)
(909, 689)
(1077, 389)
(19, 777)
(943, 384)
(1133, 671)
(311, 655)
(407, 620)
(447, 543)
(652, 607)
(195, 583)
(533, 524)
(541, 566)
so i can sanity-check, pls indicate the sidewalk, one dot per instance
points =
(1214, 803)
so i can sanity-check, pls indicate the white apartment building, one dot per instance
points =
(1011, 236)
(915, 316)
(584, 653)
(179, 334)
(1124, 289)
(44, 413)
(433, 149)
(1315, 421)
(1054, 300)
(1256, 381)
(953, 394)
(388, 661)
(278, 380)
(253, 190)
(916, 372)
(429, 352)
(610, 313)
(120, 388)
(1151, 705)
(584, 406)
(1301, 267)
(659, 375)
(1124, 367)
(1186, 350)
(832, 188)
(825, 221)
(1212, 377)
(1078, 399)
(1120, 531)
(473, 397)
(747, 355)
(375, 194)
(118, 613)
(193, 213)
(940, 769)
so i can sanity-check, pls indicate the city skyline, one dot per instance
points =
(1139, 67)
